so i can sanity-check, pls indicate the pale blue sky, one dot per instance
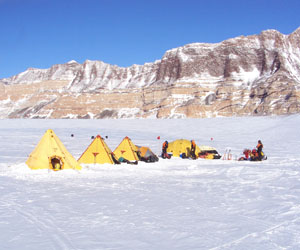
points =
(41, 33)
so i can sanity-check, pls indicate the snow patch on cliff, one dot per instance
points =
(246, 76)
(128, 112)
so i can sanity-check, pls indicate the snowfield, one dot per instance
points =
(175, 204)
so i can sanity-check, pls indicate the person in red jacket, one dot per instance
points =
(254, 155)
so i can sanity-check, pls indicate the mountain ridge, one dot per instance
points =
(246, 75)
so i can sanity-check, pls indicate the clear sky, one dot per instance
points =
(41, 33)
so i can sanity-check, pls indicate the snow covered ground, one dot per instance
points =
(172, 204)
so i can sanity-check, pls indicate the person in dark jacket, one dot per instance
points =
(193, 149)
(259, 148)
(164, 150)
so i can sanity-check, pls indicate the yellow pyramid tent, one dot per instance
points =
(50, 153)
(178, 147)
(97, 152)
(127, 150)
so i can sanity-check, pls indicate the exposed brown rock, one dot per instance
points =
(254, 75)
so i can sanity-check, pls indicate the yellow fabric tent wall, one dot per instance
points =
(180, 146)
(49, 152)
(97, 152)
(127, 150)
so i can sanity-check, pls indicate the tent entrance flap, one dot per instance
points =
(56, 163)
(50, 147)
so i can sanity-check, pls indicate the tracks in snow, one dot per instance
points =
(45, 223)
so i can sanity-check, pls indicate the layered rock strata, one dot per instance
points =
(253, 75)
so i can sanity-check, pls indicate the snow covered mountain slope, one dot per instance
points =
(59, 72)
(253, 75)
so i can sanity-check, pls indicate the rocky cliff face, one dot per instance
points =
(253, 75)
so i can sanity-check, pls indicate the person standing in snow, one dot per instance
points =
(193, 149)
(164, 149)
(259, 148)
